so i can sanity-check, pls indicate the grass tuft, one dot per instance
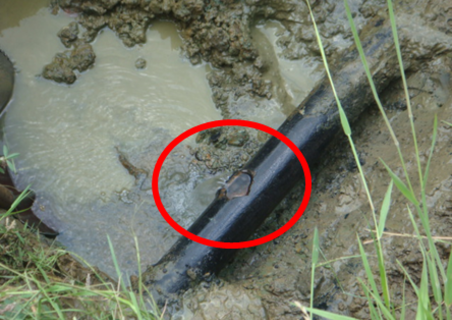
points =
(34, 283)
(435, 286)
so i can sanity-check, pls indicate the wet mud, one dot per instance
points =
(248, 82)
(280, 272)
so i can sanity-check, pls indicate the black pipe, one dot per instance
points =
(275, 168)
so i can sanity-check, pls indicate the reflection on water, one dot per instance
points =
(68, 136)
(13, 11)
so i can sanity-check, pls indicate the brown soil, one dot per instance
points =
(280, 272)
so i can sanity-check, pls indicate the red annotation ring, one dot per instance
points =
(242, 244)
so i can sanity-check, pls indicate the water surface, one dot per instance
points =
(68, 137)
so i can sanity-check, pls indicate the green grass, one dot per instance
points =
(34, 286)
(434, 293)
(7, 160)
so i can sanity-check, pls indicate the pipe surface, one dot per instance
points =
(275, 167)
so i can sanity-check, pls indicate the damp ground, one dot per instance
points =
(242, 44)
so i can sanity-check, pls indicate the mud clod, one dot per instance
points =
(82, 56)
(62, 67)
(69, 34)
(225, 148)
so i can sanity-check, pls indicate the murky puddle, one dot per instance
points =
(89, 149)
(70, 137)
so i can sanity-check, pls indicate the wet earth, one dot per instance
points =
(263, 282)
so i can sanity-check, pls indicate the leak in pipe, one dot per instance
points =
(275, 168)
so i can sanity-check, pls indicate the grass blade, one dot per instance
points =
(448, 284)
(432, 148)
(315, 258)
(13, 155)
(344, 122)
(370, 276)
(403, 310)
(16, 202)
(386, 312)
(401, 186)
(423, 311)
(329, 315)
(11, 165)
(374, 314)
(383, 275)
(115, 262)
(385, 210)
(413, 285)
(434, 280)
(405, 87)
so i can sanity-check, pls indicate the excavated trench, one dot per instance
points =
(260, 60)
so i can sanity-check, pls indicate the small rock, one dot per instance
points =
(140, 63)
(192, 274)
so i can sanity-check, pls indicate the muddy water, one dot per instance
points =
(298, 76)
(70, 137)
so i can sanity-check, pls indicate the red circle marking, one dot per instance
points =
(242, 244)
